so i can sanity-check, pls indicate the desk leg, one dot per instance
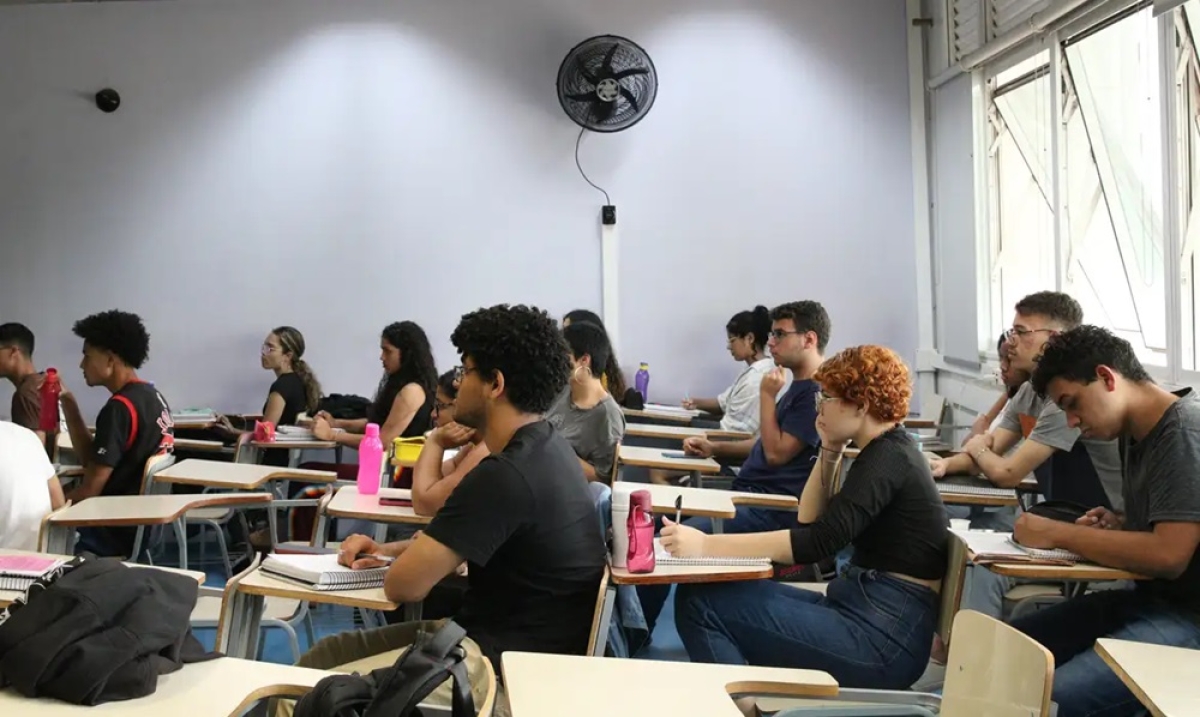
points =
(697, 479)
(319, 529)
(718, 526)
(246, 646)
(381, 533)
(606, 613)
(181, 538)
(273, 524)
(413, 611)
(59, 539)
(293, 458)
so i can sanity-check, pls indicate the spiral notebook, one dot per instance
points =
(989, 547)
(662, 557)
(981, 490)
(322, 572)
(18, 572)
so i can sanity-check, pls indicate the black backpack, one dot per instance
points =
(397, 690)
(345, 406)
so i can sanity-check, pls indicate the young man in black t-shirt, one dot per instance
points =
(132, 426)
(523, 520)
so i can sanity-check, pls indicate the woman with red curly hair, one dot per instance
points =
(875, 625)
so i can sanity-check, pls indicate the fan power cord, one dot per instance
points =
(583, 173)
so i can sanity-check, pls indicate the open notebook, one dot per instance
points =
(18, 572)
(322, 572)
(662, 557)
(990, 547)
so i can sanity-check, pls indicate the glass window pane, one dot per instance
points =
(1114, 169)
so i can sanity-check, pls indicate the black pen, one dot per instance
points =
(678, 507)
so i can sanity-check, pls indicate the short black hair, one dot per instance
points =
(1074, 355)
(807, 316)
(587, 339)
(18, 336)
(1054, 305)
(120, 332)
(521, 342)
(448, 383)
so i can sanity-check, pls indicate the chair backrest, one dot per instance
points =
(154, 464)
(952, 586)
(616, 472)
(227, 602)
(995, 671)
(594, 637)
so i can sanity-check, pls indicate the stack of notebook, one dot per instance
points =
(293, 433)
(989, 547)
(662, 557)
(18, 572)
(322, 572)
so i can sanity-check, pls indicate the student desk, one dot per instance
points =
(137, 510)
(187, 444)
(677, 416)
(236, 476)
(295, 448)
(651, 430)
(543, 685)
(347, 503)
(673, 574)
(225, 687)
(655, 458)
(1080, 572)
(8, 596)
(1163, 678)
(710, 503)
(240, 639)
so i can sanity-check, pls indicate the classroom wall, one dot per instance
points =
(340, 164)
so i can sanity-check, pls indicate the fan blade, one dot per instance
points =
(583, 97)
(629, 96)
(582, 69)
(631, 71)
(606, 66)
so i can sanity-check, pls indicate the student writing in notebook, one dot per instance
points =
(16, 365)
(584, 412)
(874, 627)
(435, 477)
(403, 404)
(132, 426)
(1098, 381)
(524, 519)
(29, 489)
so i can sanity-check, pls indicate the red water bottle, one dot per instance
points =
(51, 388)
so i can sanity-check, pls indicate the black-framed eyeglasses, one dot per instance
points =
(1020, 332)
(460, 372)
(780, 334)
(440, 406)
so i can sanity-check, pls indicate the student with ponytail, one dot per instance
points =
(612, 378)
(747, 333)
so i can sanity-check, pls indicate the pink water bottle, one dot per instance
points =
(370, 461)
(51, 388)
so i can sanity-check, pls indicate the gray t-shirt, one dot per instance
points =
(593, 432)
(1162, 484)
(1038, 419)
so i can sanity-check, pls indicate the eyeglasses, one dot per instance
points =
(1018, 332)
(780, 334)
(439, 406)
(823, 398)
(460, 372)
(267, 349)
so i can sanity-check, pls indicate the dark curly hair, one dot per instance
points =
(524, 344)
(1074, 355)
(872, 376)
(807, 316)
(1053, 305)
(120, 332)
(416, 366)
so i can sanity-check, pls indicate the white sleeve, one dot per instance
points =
(741, 411)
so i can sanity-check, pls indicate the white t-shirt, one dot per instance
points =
(740, 401)
(24, 494)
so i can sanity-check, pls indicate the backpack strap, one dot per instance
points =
(427, 664)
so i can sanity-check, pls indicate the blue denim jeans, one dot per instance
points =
(871, 630)
(747, 520)
(1084, 686)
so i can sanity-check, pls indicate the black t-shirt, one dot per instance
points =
(295, 400)
(889, 508)
(133, 425)
(526, 523)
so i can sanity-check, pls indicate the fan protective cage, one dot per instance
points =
(607, 83)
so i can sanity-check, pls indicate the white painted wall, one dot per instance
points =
(340, 164)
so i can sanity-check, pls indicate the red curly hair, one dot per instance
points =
(874, 376)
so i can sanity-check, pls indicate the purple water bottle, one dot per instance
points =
(641, 381)
(370, 461)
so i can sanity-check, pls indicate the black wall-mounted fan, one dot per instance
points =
(607, 83)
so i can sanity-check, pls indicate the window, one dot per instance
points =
(1105, 244)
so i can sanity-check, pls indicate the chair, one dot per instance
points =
(155, 464)
(282, 613)
(217, 518)
(994, 671)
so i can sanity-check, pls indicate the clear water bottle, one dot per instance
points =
(641, 381)
(370, 461)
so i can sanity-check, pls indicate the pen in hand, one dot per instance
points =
(371, 556)
(678, 508)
